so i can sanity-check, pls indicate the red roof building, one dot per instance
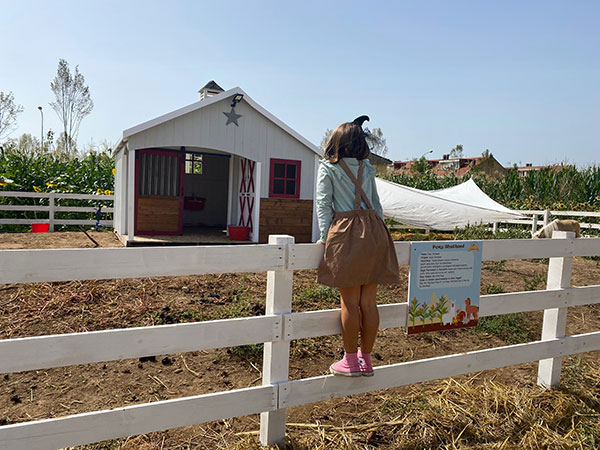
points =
(458, 166)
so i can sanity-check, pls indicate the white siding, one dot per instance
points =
(256, 138)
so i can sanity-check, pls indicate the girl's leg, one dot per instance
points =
(350, 297)
(370, 317)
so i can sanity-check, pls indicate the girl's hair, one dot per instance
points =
(346, 141)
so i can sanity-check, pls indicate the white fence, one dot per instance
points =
(280, 258)
(52, 208)
(542, 218)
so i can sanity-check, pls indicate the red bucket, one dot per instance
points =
(239, 233)
(40, 227)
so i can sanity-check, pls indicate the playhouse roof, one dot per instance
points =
(209, 101)
(213, 85)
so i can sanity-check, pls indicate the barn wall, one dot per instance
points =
(286, 216)
(256, 138)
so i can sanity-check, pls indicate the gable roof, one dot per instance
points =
(209, 101)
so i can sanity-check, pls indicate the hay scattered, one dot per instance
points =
(474, 414)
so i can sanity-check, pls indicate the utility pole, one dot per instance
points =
(42, 135)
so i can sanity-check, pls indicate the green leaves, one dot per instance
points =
(557, 187)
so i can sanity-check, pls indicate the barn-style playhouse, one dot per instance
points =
(224, 160)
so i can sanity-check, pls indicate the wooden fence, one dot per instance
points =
(280, 258)
(52, 208)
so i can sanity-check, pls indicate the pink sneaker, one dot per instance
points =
(364, 361)
(348, 366)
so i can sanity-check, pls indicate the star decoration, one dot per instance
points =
(232, 117)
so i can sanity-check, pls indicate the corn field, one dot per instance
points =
(49, 172)
(566, 188)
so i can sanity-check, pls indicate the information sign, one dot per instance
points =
(443, 285)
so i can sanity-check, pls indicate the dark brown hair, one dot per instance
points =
(346, 141)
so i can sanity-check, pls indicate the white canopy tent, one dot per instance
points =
(443, 209)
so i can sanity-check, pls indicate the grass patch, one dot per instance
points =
(534, 282)
(511, 328)
(493, 288)
(317, 296)
(251, 351)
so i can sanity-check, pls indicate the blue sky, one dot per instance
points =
(520, 78)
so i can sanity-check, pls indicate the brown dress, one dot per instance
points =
(359, 248)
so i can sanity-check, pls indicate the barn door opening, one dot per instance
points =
(158, 192)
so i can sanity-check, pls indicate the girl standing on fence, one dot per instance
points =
(359, 252)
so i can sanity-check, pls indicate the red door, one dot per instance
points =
(159, 192)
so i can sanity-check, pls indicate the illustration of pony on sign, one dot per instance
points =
(452, 269)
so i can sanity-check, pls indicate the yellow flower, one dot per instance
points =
(51, 184)
(107, 192)
(37, 189)
(3, 184)
(113, 171)
(598, 198)
(99, 191)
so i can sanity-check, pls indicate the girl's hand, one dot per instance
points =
(321, 242)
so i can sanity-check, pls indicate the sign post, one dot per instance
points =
(443, 285)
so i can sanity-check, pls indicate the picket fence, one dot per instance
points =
(280, 258)
(52, 208)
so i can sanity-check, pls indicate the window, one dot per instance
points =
(285, 178)
(193, 163)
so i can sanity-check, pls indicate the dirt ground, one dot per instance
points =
(63, 239)
(54, 308)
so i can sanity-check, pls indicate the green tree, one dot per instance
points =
(420, 166)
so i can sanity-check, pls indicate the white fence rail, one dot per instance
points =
(276, 329)
(542, 217)
(52, 208)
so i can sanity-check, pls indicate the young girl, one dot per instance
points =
(359, 252)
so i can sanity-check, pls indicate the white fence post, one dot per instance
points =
(534, 224)
(276, 355)
(555, 319)
(546, 217)
(51, 198)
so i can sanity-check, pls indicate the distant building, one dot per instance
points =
(529, 167)
(459, 166)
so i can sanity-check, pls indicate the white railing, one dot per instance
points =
(542, 217)
(280, 258)
(52, 208)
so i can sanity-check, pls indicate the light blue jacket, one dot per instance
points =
(335, 191)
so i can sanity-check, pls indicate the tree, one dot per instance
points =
(457, 152)
(9, 111)
(66, 145)
(420, 166)
(73, 102)
(26, 143)
(325, 139)
(374, 138)
(376, 141)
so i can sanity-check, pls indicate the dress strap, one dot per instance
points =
(359, 192)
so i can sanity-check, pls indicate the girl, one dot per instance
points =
(359, 252)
